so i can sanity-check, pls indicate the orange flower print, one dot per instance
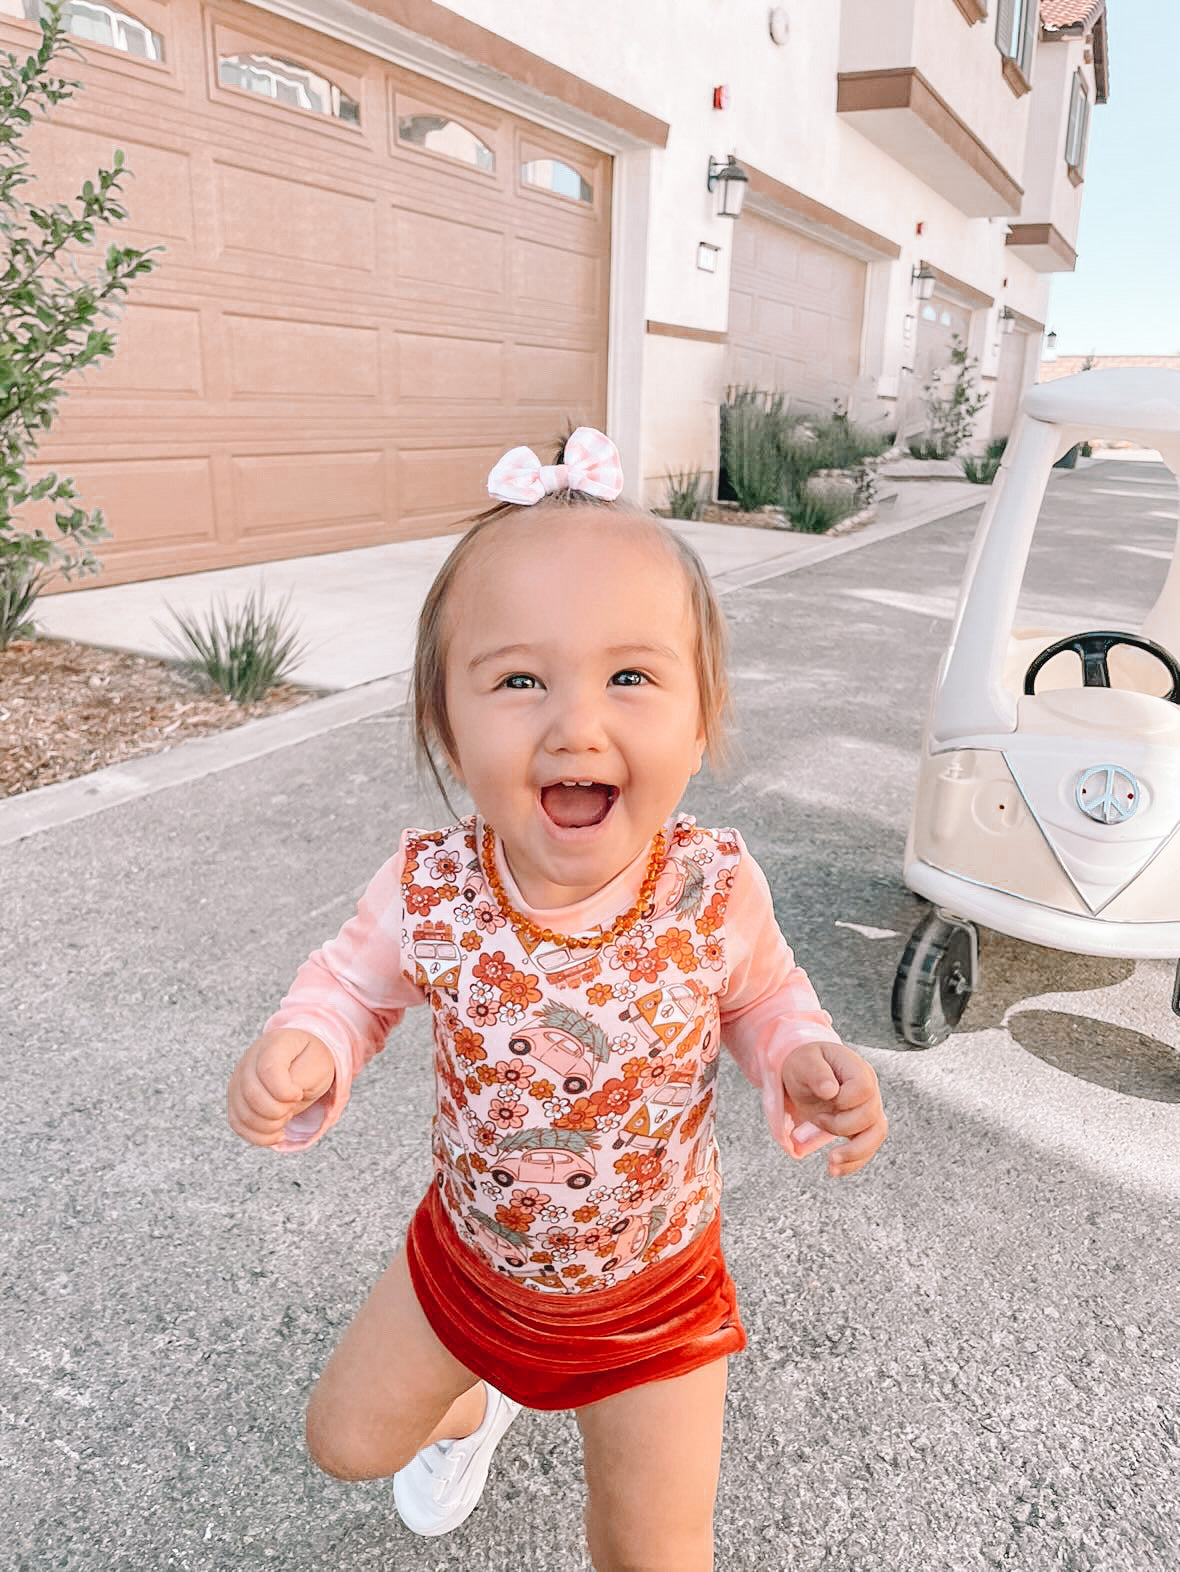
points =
(444, 865)
(724, 881)
(508, 1115)
(675, 945)
(599, 993)
(471, 940)
(692, 1120)
(513, 1217)
(515, 1073)
(487, 1074)
(474, 1085)
(488, 917)
(585, 1214)
(571, 1271)
(541, 1257)
(419, 898)
(686, 834)
(599, 1239)
(530, 1201)
(541, 1090)
(614, 1096)
(581, 1116)
(469, 1045)
(483, 1012)
(712, 955)
(486, 1135)
(494, 969)
(450, 1019)
(478, 1163)
(560, 1239)
(519, 989)
(448, 891)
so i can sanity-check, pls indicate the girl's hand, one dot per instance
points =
(278, 1076)
(831, 1092)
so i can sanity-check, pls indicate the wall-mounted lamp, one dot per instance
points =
(1051, 341)
(707, 256)
(1007, 320)
(731, 181)
(923, 280)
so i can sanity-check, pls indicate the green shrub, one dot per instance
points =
(750, 449)
(981, 471)
(686, 492)
(949, 420)
(243, 650)
(815, 510)
(20, 585)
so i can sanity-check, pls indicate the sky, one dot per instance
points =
(1124, 297)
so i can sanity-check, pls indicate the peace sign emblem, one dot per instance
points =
(1106, 793)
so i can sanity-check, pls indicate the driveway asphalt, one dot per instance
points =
(965, 1357)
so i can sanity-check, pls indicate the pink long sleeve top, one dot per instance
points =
(573, 1132)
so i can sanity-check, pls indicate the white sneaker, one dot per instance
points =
(441, 1487)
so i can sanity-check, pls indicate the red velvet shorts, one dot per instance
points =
(552, 1350)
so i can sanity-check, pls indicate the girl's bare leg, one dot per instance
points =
(652, 1459)
(390, 1388)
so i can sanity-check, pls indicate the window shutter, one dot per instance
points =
(1084, 134)
(1028, 36)
(1005, 16)
(1071, 130)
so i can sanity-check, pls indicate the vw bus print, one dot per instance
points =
(679, 1016)
(544, 1157)
(570, 1043)
(650, 1127)
(569, 968)
(436, 957)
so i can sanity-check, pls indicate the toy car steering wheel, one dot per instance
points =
(1092, 650)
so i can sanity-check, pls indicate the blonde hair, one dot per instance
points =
(432, 727)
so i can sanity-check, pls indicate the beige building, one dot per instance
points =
(404, 235)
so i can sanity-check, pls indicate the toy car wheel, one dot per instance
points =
(934, 980)
(502, 1177)
(574, 1084)
(519, 1045)
(577, 1181)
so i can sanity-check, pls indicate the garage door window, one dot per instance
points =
(436, 132)
(559, 179)
(107, 25)
(287, 82)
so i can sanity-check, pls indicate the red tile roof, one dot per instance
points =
(1071, 13)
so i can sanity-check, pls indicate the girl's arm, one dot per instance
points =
(769, 1008)
(349, 994)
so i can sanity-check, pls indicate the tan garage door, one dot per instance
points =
(373, 285)
(795, 309)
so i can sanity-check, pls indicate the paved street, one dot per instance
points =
(967, 1357)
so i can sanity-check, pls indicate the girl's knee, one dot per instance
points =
(348, 1450)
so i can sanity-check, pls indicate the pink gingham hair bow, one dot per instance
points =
(591, 464)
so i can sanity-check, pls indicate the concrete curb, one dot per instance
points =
(50, 806)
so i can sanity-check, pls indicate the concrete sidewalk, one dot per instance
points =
(357, 611)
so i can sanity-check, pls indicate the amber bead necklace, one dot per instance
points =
(590, 941)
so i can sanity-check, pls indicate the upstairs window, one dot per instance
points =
(287, 82)
(1077, 133)
(107, 25)
(1016, 31)
(550, 174)
(418, 125)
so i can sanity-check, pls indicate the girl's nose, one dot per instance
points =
(576, 724)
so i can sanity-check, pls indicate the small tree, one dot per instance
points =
(50, 316)
(949, 420)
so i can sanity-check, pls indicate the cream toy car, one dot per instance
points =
(1049, 794)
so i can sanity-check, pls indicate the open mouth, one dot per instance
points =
(576, 805)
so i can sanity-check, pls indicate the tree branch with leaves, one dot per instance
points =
(51, 326)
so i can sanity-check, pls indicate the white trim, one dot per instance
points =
(1024, 919)
(627, 316)
(376, 35)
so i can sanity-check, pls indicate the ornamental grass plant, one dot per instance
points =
(686, 493)
(244, 650)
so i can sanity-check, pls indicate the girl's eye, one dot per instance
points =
(628, 679)
(519, 680)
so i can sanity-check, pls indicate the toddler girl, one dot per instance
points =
(585, 949)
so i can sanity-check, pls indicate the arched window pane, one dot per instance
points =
(550, 174)
(435, 132)
(105, 24)
(287, 82)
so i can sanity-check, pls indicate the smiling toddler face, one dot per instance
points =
(572, 694)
